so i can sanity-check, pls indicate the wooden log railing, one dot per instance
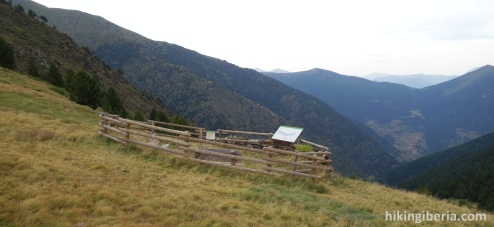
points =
(187, 144)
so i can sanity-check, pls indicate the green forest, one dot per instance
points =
(469, 177)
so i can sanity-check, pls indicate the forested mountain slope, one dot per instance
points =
(416, 122)
(411, 170)
(41, 46)
(216, 94)
(464, 172)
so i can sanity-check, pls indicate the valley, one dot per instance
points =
(394, 148)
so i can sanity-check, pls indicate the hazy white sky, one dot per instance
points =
(351, 37)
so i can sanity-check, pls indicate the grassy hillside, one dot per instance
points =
(45, 45)
(56, 171)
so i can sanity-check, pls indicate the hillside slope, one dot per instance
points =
(32, 39)
(409, 171)
(56, 171)
(463, 172)
(417, 122)
(216, 94)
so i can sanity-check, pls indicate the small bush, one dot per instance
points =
(304, 148)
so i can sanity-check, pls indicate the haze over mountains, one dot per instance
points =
(416, 122)
(216, 94)
(415, 80)
(272, 71)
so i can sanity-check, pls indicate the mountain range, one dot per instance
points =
(416, 122)
(414, 80)
(216, 94)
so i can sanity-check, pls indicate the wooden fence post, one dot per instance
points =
(117, 124)
(127, 126)
(294, 167)
(153, 123)
(233, 161)
(105, 122)
(269, 165)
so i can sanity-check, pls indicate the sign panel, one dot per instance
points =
(210, 135)
(287, 133)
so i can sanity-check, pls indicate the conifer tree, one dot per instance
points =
(7, 56)
(153, 115)
(83, 89)
(32, 68)
(54, 76)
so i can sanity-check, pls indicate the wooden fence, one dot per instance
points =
(190, 143)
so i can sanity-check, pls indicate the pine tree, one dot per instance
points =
(32, 68)
(162, 117)
(138, 116)
(153, 115)
(54, 76)
(7, 56)
(84, 89)
(115, 103)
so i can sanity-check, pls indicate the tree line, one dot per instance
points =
(470, 177)
(83, 88)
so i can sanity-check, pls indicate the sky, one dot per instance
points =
(351, 37)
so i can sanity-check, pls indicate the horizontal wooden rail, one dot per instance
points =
(155, 147)
(112, 138)
(246, 140)
(152, 136)
(295, 163)
(111, 119)
(230, 166)
(107, 114)
(223, 131)
(293, 153)
(314, 144)
(227, 145)
(291, 172)
(318, 152)
(229, 155)
(155, 127)
(113, 129)
(175, 125)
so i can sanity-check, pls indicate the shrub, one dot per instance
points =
(303, 147)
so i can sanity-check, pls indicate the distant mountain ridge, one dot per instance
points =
(415, 80)
(217, 94)
(417, 122)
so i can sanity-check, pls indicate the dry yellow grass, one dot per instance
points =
(56, 171)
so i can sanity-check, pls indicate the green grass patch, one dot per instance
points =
(303, 201)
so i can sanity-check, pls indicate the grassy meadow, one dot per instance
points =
(56, 171)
